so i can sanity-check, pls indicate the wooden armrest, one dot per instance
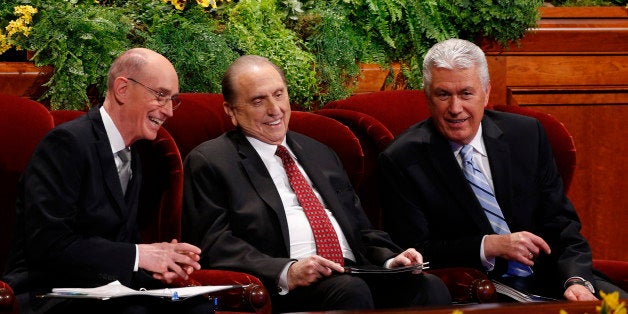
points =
(7, 298)
(467, 285)
(252, 297)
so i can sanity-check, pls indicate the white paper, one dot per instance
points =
(116, 289)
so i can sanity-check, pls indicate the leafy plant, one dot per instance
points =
(319, 44)
(80, 47)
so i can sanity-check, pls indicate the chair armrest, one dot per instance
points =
(467, 285)
(252, 297)
(7, 298)
(617, 271)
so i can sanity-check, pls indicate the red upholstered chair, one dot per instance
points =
(396, 110)
(23, 123)
(335, 135)
(560, 139)
(374, 137)
(199, 119)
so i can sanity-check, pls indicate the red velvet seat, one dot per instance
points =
(396, 109)
(374, 137)
(23, 122)
(562, 143)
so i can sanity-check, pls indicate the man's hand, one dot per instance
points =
(579, 293)
(309, 270)
(522, 247)
(167, 261)
(407, 258)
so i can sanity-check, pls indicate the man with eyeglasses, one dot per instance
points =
(77, 208)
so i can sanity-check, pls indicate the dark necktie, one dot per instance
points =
(124, 171)
(485, 195)
(327, 244)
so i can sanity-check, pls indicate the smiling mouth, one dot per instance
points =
(157, 122)
(457, 121)
(273, 123)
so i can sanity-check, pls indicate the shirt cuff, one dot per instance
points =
(282, 283)
(388, 262)
(489, 264)
(137, 259)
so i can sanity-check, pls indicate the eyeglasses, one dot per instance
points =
(162, 99)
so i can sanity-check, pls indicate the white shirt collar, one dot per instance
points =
(477, 143)
(266, 150)
(115, 138)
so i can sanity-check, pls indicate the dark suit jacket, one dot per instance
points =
(74, 226)
(428, 204)
(233, 211)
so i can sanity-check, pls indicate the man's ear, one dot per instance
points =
(229, 111)
(120, 89)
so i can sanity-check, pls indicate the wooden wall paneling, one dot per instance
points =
(574, 66)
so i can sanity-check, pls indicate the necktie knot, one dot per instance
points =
(466, 153)
(124, 155)
(283, 153)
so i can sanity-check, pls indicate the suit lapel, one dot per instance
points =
(103, 149)
(499, 159)
(322, 184)
(261, 181)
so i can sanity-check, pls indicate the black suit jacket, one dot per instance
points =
(75, 228)
(428, 204)
(233, 211)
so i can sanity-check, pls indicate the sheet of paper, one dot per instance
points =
(116, 289)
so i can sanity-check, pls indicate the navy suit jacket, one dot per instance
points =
(75, 228)
(429, 205)
(233, 211)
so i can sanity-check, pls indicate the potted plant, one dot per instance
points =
(319, 44)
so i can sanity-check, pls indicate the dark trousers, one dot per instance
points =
(351, 292)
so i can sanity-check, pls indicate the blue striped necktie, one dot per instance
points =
(484, 193)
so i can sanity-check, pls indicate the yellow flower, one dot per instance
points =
(610, 304)
(562, 311)
(205, 3)
(456, 312)
(179, 4)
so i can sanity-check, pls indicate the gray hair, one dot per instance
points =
(455, 54)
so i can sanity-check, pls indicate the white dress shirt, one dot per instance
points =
(117, 144)
(302, 242)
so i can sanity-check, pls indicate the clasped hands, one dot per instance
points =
(524, 247)
(309, 270)
(169, 261)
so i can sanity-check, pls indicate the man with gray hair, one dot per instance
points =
(479, 188)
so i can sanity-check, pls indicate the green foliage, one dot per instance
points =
(318, 43)
(80, 47)
(199, 54)
(257, 27)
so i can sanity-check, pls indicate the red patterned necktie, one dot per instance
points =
(327, 244)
